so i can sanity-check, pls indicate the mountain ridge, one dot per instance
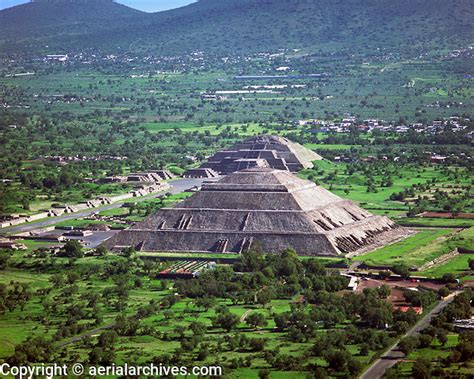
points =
(241, 26)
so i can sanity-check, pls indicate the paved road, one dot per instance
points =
(393, 355)
(177, 186)
(89, 333)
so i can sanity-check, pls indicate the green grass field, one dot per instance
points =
(413, 251)
(457, 266)
(437, 222)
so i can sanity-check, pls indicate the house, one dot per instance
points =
(79, 233)
(406, 308)
(49, 238)
(57, 57)
(353, 283)
(438, 158)
(186, 269)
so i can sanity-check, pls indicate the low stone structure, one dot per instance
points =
(164, 174)
(200, 173)
(143, 189)
(273, 207)
(153, 176)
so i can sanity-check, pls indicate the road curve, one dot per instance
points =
(393, 355)
(86, 334)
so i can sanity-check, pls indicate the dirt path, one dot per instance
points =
(244, 316)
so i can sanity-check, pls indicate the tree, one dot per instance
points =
(203, 353)
(443, 292)
(401, 327)
(57, 280)
(256, 319)
(378, 317)
(4, 257)
(128, 252)
(101, 251)
(107, 339)
(337, 359)
(257, 344)
(281, 320)
(392, 373)
(72, 277)
(401, 269)
(408, 344)
(384, 291)
(425, 340)
(96, 354)
(442, 336)
(265, 295)
(225, 319)
(471, 264)
(364, 349)
(319, 373)
(33, 350)
(198, 328)
(73, 249)
(205, 303)
(448, 278)
(251, 261)
(354, 366)
(421, 369)
(466, 346)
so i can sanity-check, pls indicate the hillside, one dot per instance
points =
(60, 23)
(240, 26)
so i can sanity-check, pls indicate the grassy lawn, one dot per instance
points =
(437, 222)
(187, 255)
(413, 251)
(459, 266)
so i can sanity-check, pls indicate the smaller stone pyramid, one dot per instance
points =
(262, 151)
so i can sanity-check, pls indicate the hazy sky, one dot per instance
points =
(144, 5)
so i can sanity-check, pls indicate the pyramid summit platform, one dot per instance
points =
(273, 207)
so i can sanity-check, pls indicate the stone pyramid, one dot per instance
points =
(273, 207)
(262, 151)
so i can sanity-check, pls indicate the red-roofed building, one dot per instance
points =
(404, 309)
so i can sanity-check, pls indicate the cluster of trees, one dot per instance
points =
(258, 278)
(421, 298)
(13, 296)
(33, 350)
(255, 272)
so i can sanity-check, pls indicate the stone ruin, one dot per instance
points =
(200, 173)
(273, 207)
